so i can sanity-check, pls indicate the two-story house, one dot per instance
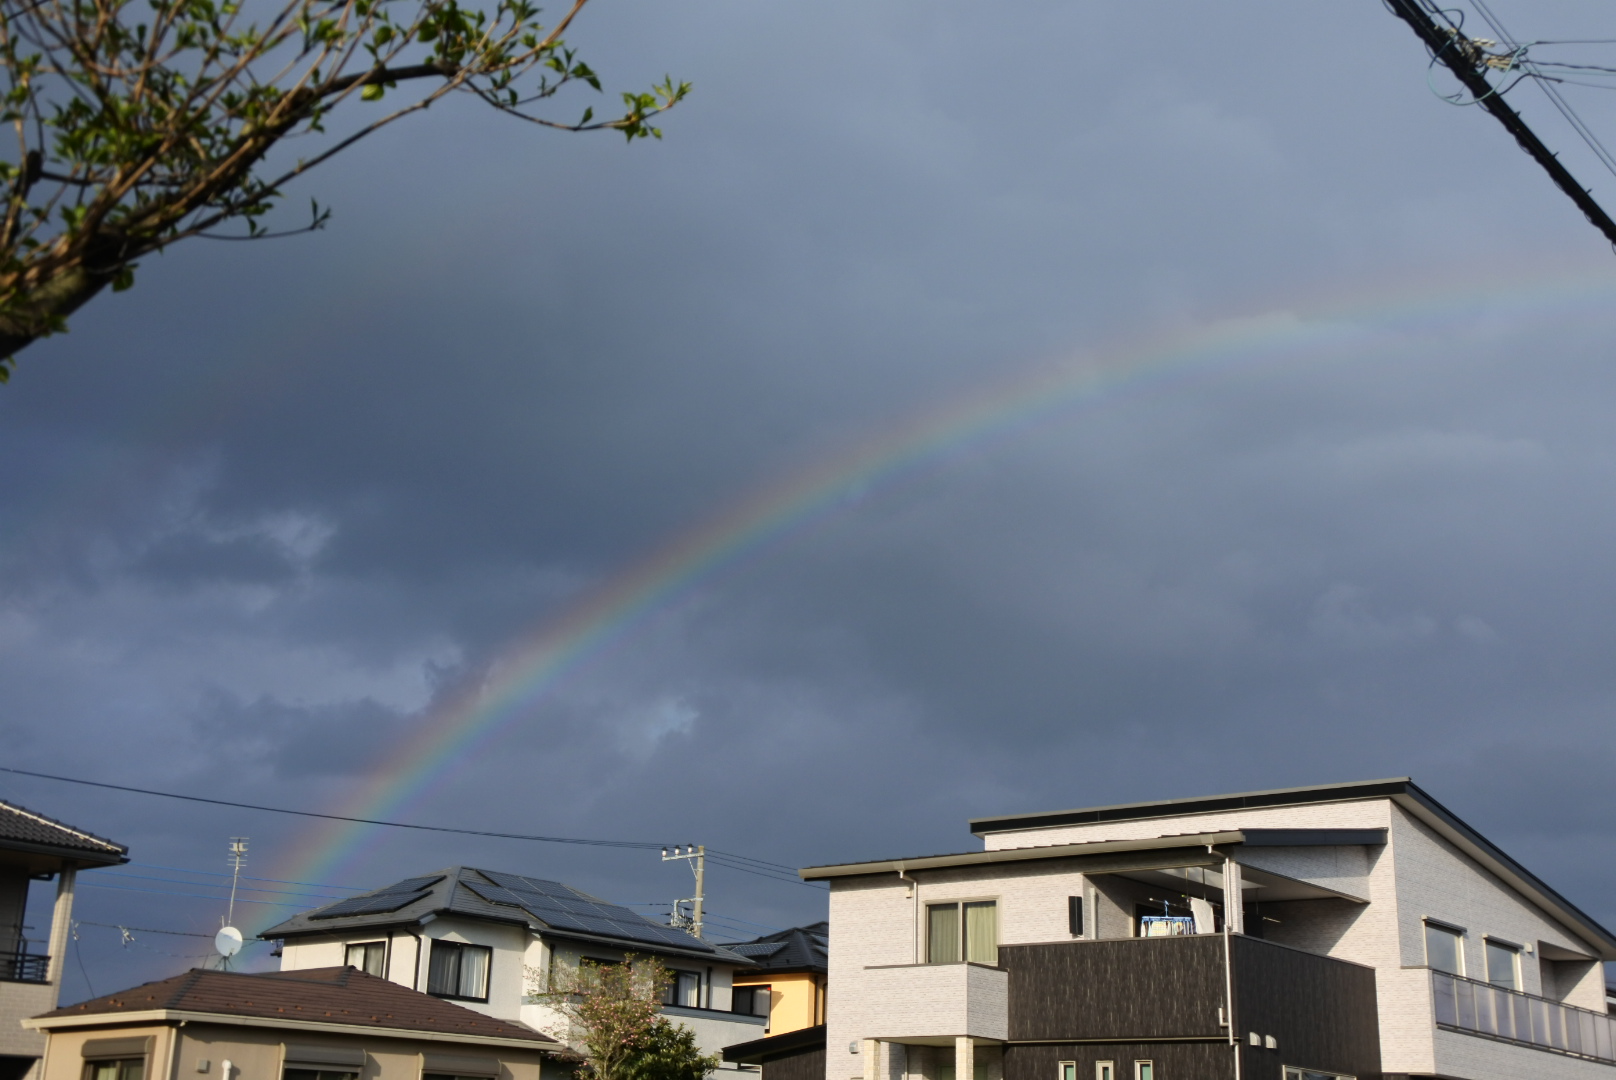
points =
(34, 848)
(788, 983)
(1352, 930)
(491, 940)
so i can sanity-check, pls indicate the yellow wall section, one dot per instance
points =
(794, 1000)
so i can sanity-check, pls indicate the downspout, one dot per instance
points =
(914, 894)
(173, 1069)
(415, 973)
(1228, 965)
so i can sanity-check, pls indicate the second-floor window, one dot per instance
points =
(751, 1000)
(684, 988)
(121, 1069)
(1444, 948)
(1503, 965)
(459, 971)
(368, 956)
(966, 931)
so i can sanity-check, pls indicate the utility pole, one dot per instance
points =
(1465, 60)
(696, 854)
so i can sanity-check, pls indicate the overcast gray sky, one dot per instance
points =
(266, 509)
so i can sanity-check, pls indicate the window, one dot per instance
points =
(750, 1000)
(1144, 1070)
(1074, 915)
(1444, 949)
(119, 1069)
(458, 971)
(1503, 965)
(369, 957)
(317, 1074)
(684, 988)
(1068, 1070)
(1105, 1070)
(1309, 1074)
(973, 937)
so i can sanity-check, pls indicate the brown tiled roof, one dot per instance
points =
(335, 995)
(19, 825)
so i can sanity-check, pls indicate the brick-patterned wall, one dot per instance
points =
(19, 1000)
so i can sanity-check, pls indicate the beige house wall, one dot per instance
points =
(794, 998)
(197, 1051)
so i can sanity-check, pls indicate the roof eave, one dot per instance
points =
(1027, 854)
(78, 855)
(169, 1016)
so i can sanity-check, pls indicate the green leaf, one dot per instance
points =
(373, 92)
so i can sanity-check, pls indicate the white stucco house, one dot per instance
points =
(1351, 930)
(488, 940)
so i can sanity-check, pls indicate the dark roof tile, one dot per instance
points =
(338, 995)
(20, 826)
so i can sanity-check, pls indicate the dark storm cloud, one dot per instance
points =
(281, 502)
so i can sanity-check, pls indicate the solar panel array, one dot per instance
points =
(403, 894)
(564, 908)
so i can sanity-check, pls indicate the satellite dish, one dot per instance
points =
(227, 941)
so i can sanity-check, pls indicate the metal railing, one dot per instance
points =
(24, 967)
(1480, 1009)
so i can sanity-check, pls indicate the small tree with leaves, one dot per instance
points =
(139, 123)
(615, 1030)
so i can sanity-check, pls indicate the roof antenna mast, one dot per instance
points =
(228, 940)
(697, 855)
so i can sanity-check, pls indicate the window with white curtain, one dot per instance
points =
(456, 970)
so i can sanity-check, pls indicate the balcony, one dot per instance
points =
(24, 967)
(1477, 1008)
(1176, 988)
(929, 1001)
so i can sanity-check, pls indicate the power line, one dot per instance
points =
(744, 864)
(196, 896)
(143, 929)
(1449, 46)
(211, 885)
(244, 877)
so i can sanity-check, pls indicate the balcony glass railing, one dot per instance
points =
(24, 967)
(1476, 1007)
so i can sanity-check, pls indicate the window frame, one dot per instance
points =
(671, 995)
(1074, 915)
(1066, 1070)
(367, 945)
(1296, 1072)
(460, 948)
(1144, 1069)
(1490, 943)
(1105, 1070)
(1458, 933)
(961, 938)
(752, 989)
(121, 1065)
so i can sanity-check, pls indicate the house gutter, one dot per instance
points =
(180, 1016)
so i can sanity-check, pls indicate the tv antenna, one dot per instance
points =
(228, 940)
(696, 855)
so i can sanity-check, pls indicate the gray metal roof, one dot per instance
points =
(548, 907)
(801, 948)
(22, 829)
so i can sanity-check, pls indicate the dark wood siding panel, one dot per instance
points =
(803, 1065)
(1136, 988)
(1320, 1011)
(1173, 1060)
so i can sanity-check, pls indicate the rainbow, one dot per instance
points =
(457, 727)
